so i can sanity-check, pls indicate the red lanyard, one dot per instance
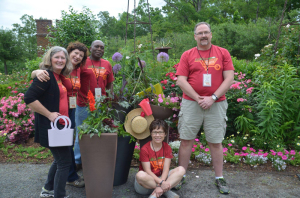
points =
(94, 71)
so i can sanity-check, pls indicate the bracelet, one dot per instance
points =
(161, 182)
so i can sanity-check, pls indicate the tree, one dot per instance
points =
(9, 47)
(26, 36)
(74, 26)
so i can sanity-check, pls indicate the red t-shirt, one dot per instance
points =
(95, 74)
(191, 65)
(72, 82)
(63, 99)
(148, 155)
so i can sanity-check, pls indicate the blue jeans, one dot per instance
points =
(80, 115)
(72, 173)
(59, 170)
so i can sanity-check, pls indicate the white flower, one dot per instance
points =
(288, 25)
(139, 46)
(256, 55)
(127, 57)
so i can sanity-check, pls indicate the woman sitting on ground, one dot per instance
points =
(155, 177)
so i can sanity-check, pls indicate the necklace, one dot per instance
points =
(160, 167)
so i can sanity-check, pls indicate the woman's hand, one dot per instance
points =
(52, 116)
(42, 75)
(166, 186)
(158, 191)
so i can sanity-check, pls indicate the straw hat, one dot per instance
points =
(137, 125)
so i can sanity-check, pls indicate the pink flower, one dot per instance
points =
(273, 153)
(284, 157)
(265, 154)
(197, 140)
(195, 146)
(160, 100)
(165, 82)
(229, 144)
(174, 116)
(8, 87)
(292, 152)
(286, 152)
(279, 153)
(249, 90)
(172, 85)
(164, 87)
(244, 148)
(167, 103)
(292, 158)
(193, 150)
(225, 149)
(237, 154)
(206, 150)
(245, 154)
(224, 154)
(248, 81)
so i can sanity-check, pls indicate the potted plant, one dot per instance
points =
(98, 144)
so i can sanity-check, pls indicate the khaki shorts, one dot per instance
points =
(192, 116)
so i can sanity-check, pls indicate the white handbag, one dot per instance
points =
(63, 137)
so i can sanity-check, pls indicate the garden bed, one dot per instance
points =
(14, 154)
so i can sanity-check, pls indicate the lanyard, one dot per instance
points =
(207, 58)
(162, 166)
(73, 85)
(94, 71)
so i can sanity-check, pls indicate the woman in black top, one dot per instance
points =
(49, 100)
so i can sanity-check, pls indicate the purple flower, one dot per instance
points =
(116, 68)
(117, 57)
(162, 57)
(143, 64)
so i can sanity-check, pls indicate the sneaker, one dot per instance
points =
(47, 193)
(178, 186)
(170, 194)
(221, 184)
(79, 183)
(151, 196)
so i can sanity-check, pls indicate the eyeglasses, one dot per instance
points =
(158, 133)
(201, 33)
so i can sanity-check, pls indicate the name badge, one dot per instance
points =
(72, 102)
(206, 80)
(98, 93)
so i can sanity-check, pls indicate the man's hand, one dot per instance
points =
(166, 186)
(205, 101)
(158, 191)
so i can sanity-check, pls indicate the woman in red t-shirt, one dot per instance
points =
(155, 177)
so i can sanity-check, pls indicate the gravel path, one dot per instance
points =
(26, 181)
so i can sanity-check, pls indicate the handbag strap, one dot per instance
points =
(67, 122)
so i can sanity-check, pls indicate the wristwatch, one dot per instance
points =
(214, 97)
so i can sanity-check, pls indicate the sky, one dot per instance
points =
(12, 10)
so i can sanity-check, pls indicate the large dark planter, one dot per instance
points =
(98, 156)
(124, 149)
(124, 156)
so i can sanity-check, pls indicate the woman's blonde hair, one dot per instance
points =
(46, 63)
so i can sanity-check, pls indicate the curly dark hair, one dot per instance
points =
(157, 123)
(81, 47)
